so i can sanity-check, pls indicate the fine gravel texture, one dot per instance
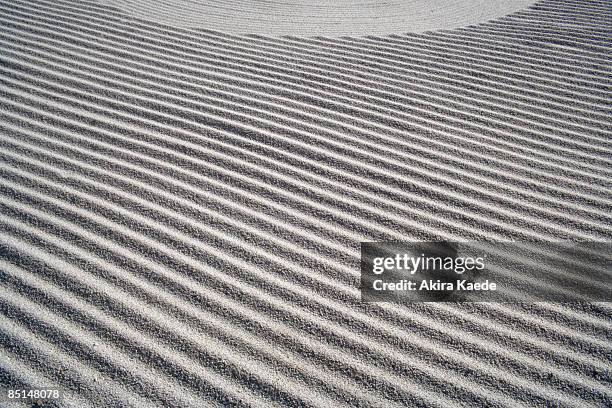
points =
(182, 203)
(320, 17)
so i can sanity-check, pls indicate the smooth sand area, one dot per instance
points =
(320, 18)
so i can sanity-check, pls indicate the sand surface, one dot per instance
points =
(320, 18)
(182, 199)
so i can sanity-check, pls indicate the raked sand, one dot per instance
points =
(320, 17)
(184, 187)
